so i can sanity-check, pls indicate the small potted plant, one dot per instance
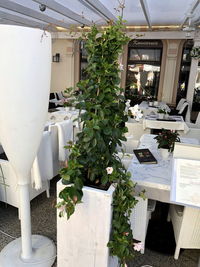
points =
(70, 98)
(166, 140)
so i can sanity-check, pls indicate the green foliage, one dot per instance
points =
(195, 52)
(167, 138)
(162, 111)
(103, 129)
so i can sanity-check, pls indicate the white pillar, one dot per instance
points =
(170, 70)
(193, 73)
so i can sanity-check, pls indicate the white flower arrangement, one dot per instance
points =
(195, 52)
(136, 112)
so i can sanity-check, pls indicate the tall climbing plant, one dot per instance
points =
(93, 159)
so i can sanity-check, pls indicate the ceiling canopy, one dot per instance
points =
(61, 15)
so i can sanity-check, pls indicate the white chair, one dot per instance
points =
(186, 225)
(60, 95)
(128, 145)
(8, 181)
(180, 103)
(140, 217)
(136, 130)
(185, 220)
(198, 120)
(196, 124)
(185, 111)
(53, 129)
(65, 134)
(42, 170)
(192, 133)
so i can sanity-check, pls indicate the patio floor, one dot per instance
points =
(44, 222)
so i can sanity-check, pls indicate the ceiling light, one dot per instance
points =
(61, 28)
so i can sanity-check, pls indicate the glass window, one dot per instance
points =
(143, 69)
(83, 61)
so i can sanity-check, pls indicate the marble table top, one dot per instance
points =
(154, 178)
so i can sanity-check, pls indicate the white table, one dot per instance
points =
(147, 110)
(154, 178)
(179, 124)
(61, 115)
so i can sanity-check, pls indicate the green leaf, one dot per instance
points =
(96, 127)
(78, 183)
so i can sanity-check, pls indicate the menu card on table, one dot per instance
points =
(185, 185)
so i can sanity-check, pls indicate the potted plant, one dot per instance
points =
(161, 113)
(166, 140)
(69, 100)
(94, 162)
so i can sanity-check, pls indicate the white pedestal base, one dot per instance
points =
(44, 252)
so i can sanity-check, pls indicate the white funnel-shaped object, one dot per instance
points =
(25, 71)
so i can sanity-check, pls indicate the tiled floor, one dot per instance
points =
(44, 222)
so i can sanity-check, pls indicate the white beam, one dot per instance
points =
(190, 11)
(99, 8)
(21, 20)
(8, 22)
(146, 12)
(165, 35)
(55, 6)
(7, 4)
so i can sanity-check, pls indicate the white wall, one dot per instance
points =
(62, 75)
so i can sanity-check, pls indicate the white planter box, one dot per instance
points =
(82, 240)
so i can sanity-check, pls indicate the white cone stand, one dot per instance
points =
(25, 69)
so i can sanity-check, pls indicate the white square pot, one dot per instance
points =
(82, 240)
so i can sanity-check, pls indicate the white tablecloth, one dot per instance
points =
(147, 110)
(154, 178)
(62, 115)
(152, 123)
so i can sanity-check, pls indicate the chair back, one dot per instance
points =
(52, 96)
(180, 103)
(54, 145)
(187, 151)
(185, 112)
(65, 134)
(198, 120)
(60, 95)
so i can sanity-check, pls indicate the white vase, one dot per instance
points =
(150, 103)
(160, 116)
(82, 240)
(25, 69)
(155, 103)
(164, 153)
(166, 116)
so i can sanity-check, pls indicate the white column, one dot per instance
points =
(193, 73)
(170, 70)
